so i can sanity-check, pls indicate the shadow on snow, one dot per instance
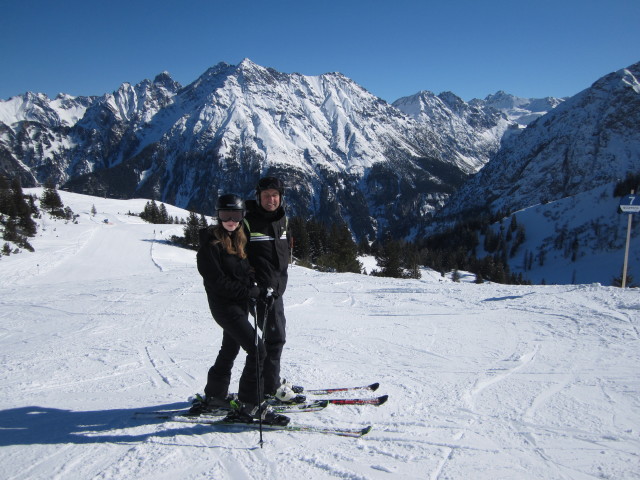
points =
(41, 425)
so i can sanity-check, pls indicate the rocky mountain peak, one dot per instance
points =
(344, 151)
(587, 141)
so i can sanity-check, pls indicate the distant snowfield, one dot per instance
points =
(484, 381)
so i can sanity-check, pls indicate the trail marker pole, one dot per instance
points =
(629, 204)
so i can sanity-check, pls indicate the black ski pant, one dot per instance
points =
(238, 332)
(274, 336)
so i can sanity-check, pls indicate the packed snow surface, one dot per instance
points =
(486, 381)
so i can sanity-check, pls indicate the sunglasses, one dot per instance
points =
(231, 215)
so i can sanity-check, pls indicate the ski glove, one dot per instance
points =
(254, 292)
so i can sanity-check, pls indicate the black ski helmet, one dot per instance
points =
(230, 202)
(267, 183)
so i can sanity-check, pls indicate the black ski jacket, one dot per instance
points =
(268, 248)
(227, 278)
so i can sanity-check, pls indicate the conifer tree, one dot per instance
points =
(364, 248)
(18, 223)
(10, 231)
(389, 258)
(5, 196)
(191, 230)
(412, 263)
(151, 212)
(51, 199)
(318, 239)
(617, 281)
(22, 210)
(163, 215)
(342, 251)
(300, 236)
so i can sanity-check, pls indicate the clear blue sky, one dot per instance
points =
(393, 48)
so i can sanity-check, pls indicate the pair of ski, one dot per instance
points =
(212, 417)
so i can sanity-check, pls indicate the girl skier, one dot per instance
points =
(222, 262)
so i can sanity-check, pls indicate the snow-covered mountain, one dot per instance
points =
(467, 134)
(344, 152)
(471, 133)
(590, 140)
(64, 110)
(560, 173)
(520, 110)
(35, 134)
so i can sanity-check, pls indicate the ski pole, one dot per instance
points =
(258, 369)
(258, 376)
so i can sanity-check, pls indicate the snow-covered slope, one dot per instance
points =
(485, 381)
(578, 239)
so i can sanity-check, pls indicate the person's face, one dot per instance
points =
(230, 225)
(230, 219)
(270, 199)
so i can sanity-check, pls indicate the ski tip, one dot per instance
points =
(374, 386)
(366, 430)
(382, 399)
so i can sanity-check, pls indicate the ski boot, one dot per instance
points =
(208, 405)
(249, 413)
(295, 388)
(287, 393)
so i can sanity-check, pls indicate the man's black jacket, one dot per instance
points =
(268, 248)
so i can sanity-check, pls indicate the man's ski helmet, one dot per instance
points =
(268, 183)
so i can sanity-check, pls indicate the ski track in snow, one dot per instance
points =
(484, 381)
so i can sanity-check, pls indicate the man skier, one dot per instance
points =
(268, 251)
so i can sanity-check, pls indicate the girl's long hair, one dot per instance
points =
(233, 244)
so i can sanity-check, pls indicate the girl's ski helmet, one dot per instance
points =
(230, 202)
